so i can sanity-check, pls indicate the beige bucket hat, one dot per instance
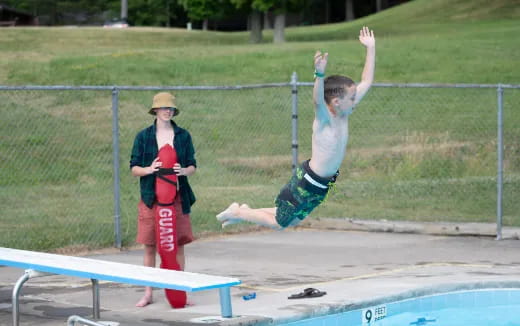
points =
(163, 100)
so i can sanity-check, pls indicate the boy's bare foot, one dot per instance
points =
(229, 216)
(145, 300)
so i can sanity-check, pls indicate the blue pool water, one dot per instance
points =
(496, 307)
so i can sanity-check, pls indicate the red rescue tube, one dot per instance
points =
(166, 220)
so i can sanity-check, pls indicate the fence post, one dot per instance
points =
(294, 81)
(500, 162)
(115, 151)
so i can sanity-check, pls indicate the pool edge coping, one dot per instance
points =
(445, 288)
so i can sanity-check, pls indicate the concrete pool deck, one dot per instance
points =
(356, 267)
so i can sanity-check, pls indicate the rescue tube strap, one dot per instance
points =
(160, 176)
(169, 204)
(165, 171)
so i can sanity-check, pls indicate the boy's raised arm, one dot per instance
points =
(366, 37)
(318, 94)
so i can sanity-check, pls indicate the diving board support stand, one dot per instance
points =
(77, 319)
(16, 294)
(30, 273)
(95, 298)
(225, 302)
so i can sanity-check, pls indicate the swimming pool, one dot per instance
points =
(489, 307)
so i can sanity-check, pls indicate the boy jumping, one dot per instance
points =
(334, 99)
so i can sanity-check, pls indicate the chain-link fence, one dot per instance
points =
(416, 152)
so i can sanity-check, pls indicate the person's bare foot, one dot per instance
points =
(145, 300)
(229, 215)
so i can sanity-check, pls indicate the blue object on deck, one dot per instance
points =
(249, 296)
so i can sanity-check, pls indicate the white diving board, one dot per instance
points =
(114, 272)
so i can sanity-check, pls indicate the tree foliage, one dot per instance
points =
(62, 12)
(271, 5)
(45, 6)
(148, 12)
(175, 12)
(140, 12)
(199, 10)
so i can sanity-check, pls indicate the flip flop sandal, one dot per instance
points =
(308, 293)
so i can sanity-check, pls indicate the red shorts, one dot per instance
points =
(146, 224)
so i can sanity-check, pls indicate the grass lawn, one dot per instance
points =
(414, 154)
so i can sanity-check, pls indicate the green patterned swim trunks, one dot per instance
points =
(304, 192)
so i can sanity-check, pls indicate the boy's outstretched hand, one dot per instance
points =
(366, 37)
(320, 62)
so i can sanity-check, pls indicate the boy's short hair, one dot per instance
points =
(335, 86)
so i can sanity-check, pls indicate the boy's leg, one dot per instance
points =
(236, 213)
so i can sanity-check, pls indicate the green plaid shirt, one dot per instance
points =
(145, 150)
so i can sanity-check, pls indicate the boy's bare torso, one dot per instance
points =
(329, 145)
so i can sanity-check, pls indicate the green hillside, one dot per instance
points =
(420, 41)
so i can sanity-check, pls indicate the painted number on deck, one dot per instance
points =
(373, 314)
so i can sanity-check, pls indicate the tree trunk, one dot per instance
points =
(349, 10)
(327, 11)
(267, 22)
(168, 13)
(124, 10)
(381, 4)
(279, 28)
(54, 14)
(205, 24)
(255, 23)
